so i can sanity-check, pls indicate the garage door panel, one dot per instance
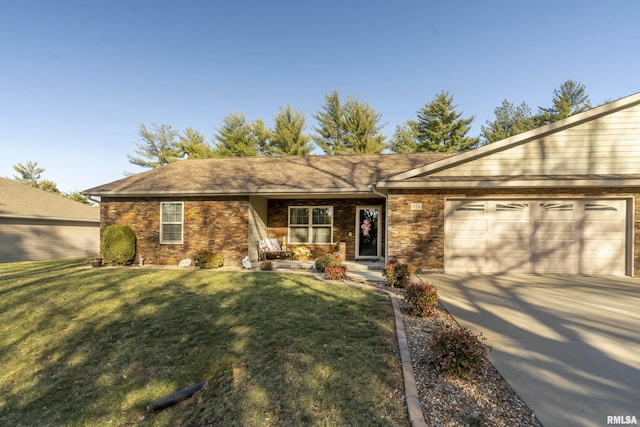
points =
(468, 244)
(602, 247)
(512, 226)
(563, 226)
(470, 225)
(543, 236)
(511, 244)
(597, 227)
(512, 262)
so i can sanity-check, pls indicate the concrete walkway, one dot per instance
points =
(568, 345)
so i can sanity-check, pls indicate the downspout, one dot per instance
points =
(372, 187)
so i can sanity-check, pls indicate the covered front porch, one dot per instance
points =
(354, 226)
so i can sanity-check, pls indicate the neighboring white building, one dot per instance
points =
(37, 225)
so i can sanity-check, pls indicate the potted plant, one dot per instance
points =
(301, 253)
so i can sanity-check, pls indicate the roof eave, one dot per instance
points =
(488, 183)
(230, 192)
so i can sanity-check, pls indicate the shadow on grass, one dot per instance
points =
(90, 347)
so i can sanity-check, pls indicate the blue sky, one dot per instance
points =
(77, 78)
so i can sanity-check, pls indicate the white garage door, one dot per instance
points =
(536, 236)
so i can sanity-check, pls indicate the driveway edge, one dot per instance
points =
(410, 390)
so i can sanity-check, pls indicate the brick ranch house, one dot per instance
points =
(561, 198)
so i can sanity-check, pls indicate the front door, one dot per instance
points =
(368, 232)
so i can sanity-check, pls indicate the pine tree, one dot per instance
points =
(352, 128)
(30, 175)
(330, 131)
(157, 147)
(287, 137)
(441, 128)
(191, 144)
(571, 98)
(510, 120)
(237, 138)
(362, 129)
(405, 138)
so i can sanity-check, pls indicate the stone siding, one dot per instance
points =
(417, 236)
(219, 225)
(344, 222)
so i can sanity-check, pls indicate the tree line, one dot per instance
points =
(343, 126)
(31, 175)
(352, 126)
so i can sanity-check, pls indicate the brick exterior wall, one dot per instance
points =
(219, 225)
(417, 237)
(344, 221)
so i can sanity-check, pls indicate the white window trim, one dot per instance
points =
(172, 242)
(309, 226)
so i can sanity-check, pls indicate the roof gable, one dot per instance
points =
(601, 142)
(21, 200)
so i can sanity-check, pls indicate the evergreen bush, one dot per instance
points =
(118, 244)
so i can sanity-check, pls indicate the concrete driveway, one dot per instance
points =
(568, 345)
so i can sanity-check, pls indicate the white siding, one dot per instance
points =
(30, 239)
(606, 145)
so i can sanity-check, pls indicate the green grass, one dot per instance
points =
(82, 346)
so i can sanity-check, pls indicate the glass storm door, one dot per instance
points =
(367, 232)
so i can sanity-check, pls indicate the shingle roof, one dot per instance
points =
(20, 200)
(268, 175)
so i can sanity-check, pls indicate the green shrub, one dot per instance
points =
(422, 298)
(326, 261)
(336, 272)
(398, 274)
(457, 351)
(206, 259)
(266, 266)
(118, 244)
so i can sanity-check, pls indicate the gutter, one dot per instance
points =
(373, 189)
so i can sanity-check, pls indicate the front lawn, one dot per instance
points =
(85, 346)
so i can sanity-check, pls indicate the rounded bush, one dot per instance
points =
(457, 351)
(326, 261)
(422, 298)
(118, 244)
(206, 259)
(397, 273)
